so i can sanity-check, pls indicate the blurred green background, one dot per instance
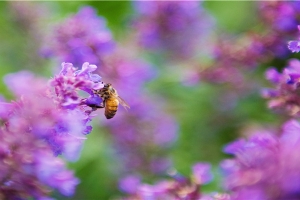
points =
(206, 122)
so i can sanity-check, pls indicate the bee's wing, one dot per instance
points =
(123, 103)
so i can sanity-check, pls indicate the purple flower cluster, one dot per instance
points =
(245, 51)
(286, 94)
(130, 130)
(282, 16)
(170, 27)
(234, 57)
(28, 166)
(266, 166)
(70, 80)
(179, 187)
(46, 120)
(80, 38)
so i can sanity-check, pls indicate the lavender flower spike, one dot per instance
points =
(81, 37)
(28, 167)
(44, 121)
(175, 27)
(285, 95)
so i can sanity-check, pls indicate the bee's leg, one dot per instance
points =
(102, 105)
(94, 109)
(98, 106)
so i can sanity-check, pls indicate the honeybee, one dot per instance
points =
(111, 100)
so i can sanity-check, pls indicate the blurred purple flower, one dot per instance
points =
(273, 76)
(94, 101)
(234, 57)
(37, 112)
(266, 166)
(294, 46)
(281, 15)
(285, 96)
(81, 37)
(171, 27)
(201, 173)
(129, 184)
(28, 166)
(179, 187)
(52, 173)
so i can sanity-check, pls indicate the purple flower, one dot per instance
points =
(52, 172)
(81, 37)
(294, 46)
(178, 187)
(172, 27)
(273, 75)
(44, 121)
(234, 147)
(28, 167)
(38, 113)
(285, 96)
(25, 83)
(235, 56)
(281, 15)
(69, 82)
(201, 173)
(266, 166)
(94, 101)
(67, 85)
(283, 18)
(129, 184)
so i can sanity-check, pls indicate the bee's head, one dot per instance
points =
(107, 85)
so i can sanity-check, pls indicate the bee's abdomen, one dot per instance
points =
(111, 107)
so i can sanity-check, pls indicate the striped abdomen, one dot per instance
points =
(111, 107)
